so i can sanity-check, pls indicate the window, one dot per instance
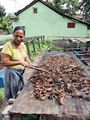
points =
(88, 27)
(71, 25)
(34, 10)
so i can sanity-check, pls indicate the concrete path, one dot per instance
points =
(3, 37)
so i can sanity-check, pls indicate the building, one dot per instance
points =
(40, 18)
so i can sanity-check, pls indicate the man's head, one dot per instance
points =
(18, 34)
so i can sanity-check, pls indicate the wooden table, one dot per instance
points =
(71, 106)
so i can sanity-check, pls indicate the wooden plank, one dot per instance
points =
(6, 110)
(86, 59)
(28, 50)
(24, 105)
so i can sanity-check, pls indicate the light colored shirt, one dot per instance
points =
(15, 53)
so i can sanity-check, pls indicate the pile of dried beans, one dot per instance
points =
(65, 77)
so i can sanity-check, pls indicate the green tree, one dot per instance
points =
(67, 6)
(71, 6)
(84, 6)
(5, 20)
(2, 12)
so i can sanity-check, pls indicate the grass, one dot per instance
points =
(1, 92)
(4, 41)
(1, 95)
(1, 99)
(33, 54)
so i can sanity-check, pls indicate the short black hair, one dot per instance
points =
(19, 28)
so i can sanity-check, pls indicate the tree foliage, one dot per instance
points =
(5, 21)
(2, 12)
(71, 7)
(85, 8)
(67, 6)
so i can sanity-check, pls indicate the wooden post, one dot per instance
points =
(28, 50)
(33, 46)
(39, 43)
(42, 40)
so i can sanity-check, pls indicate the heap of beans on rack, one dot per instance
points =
(65, 77)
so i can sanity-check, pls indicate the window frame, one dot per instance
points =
(34, 10)
(71, 25)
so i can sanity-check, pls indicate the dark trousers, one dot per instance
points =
(13, 82)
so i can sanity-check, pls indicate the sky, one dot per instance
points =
(12, 6)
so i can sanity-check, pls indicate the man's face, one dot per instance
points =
(18, 37)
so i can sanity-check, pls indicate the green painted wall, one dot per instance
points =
(88, 33)
(49, 23)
